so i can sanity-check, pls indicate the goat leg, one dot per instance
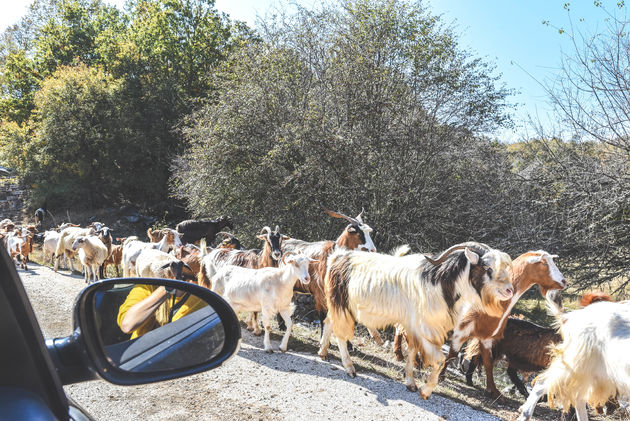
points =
(286, 315)
(324, 341)
(398, 346)
(486, 357)
(474, 362)
(452, 354)
(527, 409)
(281, 324)
(513, 374)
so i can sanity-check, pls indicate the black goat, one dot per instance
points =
(192, 230)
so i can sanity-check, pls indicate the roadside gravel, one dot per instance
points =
(252, 385)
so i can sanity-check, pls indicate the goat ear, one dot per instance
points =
(351, 229)
(286, 237)
(472, 257)
(553, 256)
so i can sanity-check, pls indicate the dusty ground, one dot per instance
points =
(252, 385)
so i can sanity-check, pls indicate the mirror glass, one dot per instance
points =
(146, 328)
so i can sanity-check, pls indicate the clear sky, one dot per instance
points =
(509, 33)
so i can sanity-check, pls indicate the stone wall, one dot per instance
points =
(11, 204)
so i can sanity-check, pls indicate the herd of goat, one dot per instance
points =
(466, 292)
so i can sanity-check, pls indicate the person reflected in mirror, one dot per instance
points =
(150, 306)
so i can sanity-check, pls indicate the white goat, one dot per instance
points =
(132, 247)
(64, 244)
(591, 364)
(92, 254)
(152, 263)
(268, 290)
(51, 238)
(5, 222)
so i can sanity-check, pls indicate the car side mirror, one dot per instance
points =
(142, 330)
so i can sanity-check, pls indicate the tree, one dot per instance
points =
(158, 55)
(78, 145)
(579, 176)
(363, 104)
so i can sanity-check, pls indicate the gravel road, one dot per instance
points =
(251, 385)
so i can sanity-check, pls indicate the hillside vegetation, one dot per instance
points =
(172, 107)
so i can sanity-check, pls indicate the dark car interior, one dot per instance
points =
(30, 387)
(33, 371)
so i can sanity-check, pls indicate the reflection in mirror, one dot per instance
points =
(148, 328)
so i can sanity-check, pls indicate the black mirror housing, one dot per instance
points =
(84, 356)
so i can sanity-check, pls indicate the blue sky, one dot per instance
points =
(509, 33)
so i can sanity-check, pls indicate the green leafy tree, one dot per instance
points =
(362, 104)
(158, 55)
(77, 147)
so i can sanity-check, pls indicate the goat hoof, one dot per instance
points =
(283, 350)
(351, 372)
(399, 357)
(424, 394)
(494, 394)
(260, 332)
(269, 351)
(412, 388)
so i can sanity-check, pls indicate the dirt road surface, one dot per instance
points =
(252, 385)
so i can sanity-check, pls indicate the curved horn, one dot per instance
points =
(284, 256)
(341, 216)
(265, 229)
(442, 257)
(358, 218)
(227, 234)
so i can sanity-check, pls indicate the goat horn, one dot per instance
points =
(227, 234)
(267, 229)
(442, 257)
(284, 256)
(341, 216)
(277, 229)
(358, 218)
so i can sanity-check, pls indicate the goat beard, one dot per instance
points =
(507, 311)
(492, 304)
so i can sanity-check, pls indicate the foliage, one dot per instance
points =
(90, 94)
(368, 104)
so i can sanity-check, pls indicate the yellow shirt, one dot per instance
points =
(140, 292)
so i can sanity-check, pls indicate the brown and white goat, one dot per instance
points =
(356, 236)
(525, 346)
(591, 364)
(156, 235)
(255, 259)
(428, 300)
(191, 254)
(19, 248)
(528, 269)
(114, 258)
